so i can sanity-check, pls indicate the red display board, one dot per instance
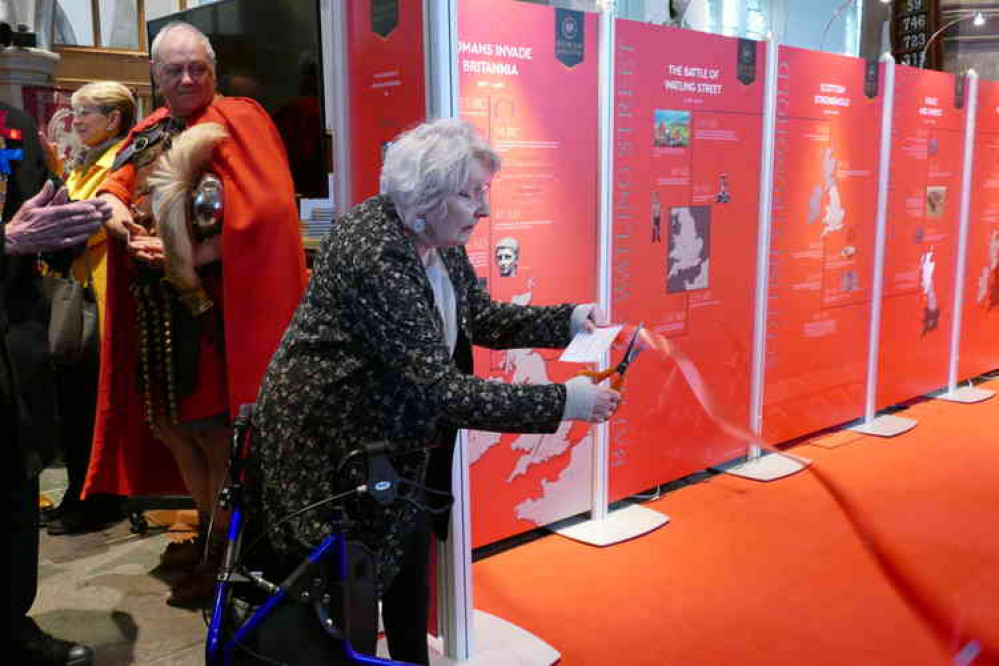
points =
(687, 153)
(923, 216)
(386, 80)
(529, 83)
(821, 271)
(979, 350)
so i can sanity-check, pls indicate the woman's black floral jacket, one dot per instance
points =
(365, 360)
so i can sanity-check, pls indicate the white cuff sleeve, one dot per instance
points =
(580, 396)
(580, 314)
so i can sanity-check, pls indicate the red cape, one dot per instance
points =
(263, 277)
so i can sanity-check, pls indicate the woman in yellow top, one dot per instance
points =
(103, 112)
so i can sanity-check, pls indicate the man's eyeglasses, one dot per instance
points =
(196, 70)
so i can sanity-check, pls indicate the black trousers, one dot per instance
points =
(293, 635)
(22, 562)
(76, 388)
(406, 602)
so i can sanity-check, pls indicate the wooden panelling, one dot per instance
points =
(79, 65)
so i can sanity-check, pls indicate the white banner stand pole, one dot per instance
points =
(336, 89)
(759, 465)
(607, 527)
(471, 636)
(468, 636)
(966, 394)
(885, 425)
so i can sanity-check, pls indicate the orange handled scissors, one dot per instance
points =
(629, 355)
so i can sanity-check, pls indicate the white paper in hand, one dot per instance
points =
(589, 347)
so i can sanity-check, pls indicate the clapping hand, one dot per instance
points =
(49, 222)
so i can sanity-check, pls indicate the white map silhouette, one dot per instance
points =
(685, 251)
(833, 219)
(567, 494)
(983, 280)
(560, 497)
(927, 267)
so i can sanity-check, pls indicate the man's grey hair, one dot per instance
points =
(428, 162)
(154, 49)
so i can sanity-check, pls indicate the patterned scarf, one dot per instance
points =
(90, 154)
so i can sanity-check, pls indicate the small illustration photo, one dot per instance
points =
(936, 200)
(724, 195)
(689, 253)
(850, 282)
(671, 129)
(657, 215)
(507, 256)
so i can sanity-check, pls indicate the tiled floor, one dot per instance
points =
(102, 589)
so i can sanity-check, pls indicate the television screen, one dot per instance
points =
(270, 50)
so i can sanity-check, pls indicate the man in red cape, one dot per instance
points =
(253, 290)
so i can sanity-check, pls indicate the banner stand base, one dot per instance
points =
(886, 426)
(620, 525)
(967, 395)
(496, 642)
(767, 467)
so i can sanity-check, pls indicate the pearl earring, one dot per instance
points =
(419, 224)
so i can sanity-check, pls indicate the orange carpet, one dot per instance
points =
(898, 565)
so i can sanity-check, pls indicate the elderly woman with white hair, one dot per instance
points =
(380, 351)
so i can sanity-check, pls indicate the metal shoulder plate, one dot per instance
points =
(148, 144)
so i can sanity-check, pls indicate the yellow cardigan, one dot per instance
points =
(83, 184)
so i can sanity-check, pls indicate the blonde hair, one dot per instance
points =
(108, 96)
